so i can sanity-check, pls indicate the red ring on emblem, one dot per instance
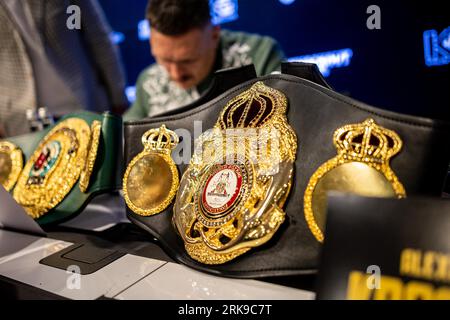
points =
(222, 180)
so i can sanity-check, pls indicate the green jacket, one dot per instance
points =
(156, 93)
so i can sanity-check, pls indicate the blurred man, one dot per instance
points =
(43, 63)
(188, 49)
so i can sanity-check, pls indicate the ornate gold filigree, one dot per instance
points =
(54, 167)
(231, 196)
(85, 177)
(11, 164)
(151, 179)
(361, 167)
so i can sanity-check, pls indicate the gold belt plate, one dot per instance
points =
(231, 196)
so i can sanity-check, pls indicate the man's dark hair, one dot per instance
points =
(175, 17)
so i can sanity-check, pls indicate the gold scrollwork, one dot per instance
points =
(232, 194)
(85, 176)
(54, 168)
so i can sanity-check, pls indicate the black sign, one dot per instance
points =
(382, 249)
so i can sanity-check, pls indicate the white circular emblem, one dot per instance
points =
(222, 189)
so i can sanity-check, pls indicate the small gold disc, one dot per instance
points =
(11, 164)
(355, 178)
(151, 179)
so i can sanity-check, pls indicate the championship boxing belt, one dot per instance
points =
(341, 144)
(54, 173)
(231, 197)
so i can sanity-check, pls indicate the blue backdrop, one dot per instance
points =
(404, 66)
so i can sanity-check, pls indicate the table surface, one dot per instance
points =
(144, 272)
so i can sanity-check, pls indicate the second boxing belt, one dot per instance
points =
(67, 154)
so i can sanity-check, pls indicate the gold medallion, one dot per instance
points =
(11, 163)
(85, 177)
(54, 167)
(361, 167)
(151, 179)
(231, 196)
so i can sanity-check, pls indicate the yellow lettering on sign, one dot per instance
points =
(427, 268)
(393, 288)
(443, 269)
(390, 289)
(415, 290)
(357, 288)
(429, 265)
(442, 293)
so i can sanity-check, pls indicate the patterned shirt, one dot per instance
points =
(157, 94)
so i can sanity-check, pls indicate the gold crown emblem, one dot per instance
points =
(366, 142)
(161, 139)
(360, 167)
(253, 108)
